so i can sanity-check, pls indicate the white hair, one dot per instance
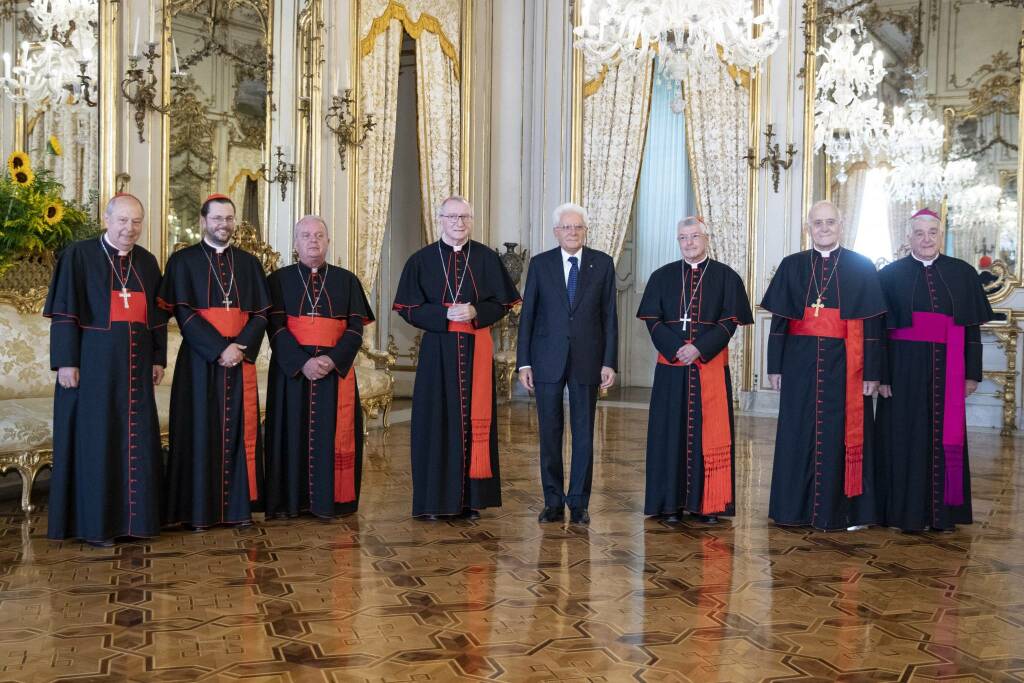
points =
(568, 207)
(823, 202)
(454, 198)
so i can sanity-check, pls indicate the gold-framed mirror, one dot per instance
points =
(961, 59)
(219, 65)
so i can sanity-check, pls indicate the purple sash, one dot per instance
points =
(938, 328)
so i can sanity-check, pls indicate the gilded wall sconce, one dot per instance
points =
(342, 122)
(772, 158)
(284, 172)
(139, 87)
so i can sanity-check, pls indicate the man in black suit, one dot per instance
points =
(568, 336)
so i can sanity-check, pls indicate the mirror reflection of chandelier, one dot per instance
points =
(687, 34)
(848, 118)
(61, 67)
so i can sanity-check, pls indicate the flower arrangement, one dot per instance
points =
(33, 217)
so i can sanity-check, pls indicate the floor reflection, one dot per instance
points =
(382, 597)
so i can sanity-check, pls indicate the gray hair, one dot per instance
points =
(568, 207)
(311, 217)
(694, 220)
(454, 198)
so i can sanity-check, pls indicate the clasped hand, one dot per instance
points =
(687, 354)
(461, 313)
(231, 356)
(317, 367)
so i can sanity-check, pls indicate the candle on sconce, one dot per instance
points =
(135, 44)
(177, 66)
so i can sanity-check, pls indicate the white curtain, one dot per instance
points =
(614, 127)
(378, 74)
(849, 199)
(717, 122)
(665, 192)
(899, 216)
(434, 25)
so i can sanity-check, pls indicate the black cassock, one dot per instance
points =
(910, 424)
(809, 473)
(442, 395)
(107, 466)
(715, 302)
(215, 466)
(308, 467)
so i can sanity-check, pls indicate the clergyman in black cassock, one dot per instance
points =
(825, 351)
(314, 423)
(454, 290)
(219, 297)
(933, 362)
(108, 344)
(692, 308)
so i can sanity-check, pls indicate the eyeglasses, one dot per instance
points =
(830, 222)
(217, 220)
(691, 238)
(576, 227)
(456, 217)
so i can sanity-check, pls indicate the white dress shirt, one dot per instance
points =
(566, 265)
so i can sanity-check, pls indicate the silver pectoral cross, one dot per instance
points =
(686, 320)
(227, 302)
(125, 295)
(817, 306)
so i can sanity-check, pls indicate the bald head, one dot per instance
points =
(825, 225)
(123, 220)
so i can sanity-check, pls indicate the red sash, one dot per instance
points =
(715, 435)
(483, 393)
(825, 322)
(325, 332)
(136, 311)
(229, 322)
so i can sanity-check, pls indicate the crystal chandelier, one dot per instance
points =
(688, 35)
(979, 207)
(848, 118)
(61, 67)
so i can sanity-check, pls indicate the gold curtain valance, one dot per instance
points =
(426, 22)
(738, 75)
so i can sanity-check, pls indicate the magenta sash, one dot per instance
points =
(938, 328)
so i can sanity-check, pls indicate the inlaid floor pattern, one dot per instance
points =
(381, 597)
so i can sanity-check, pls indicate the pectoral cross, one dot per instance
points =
(312, 313)
(227, 302)
(686, 320)
(817, 306)
(125, 295)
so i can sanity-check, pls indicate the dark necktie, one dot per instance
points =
(574, 276)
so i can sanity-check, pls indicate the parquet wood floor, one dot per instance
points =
(381, 597)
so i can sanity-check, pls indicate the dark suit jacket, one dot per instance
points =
(549, 329)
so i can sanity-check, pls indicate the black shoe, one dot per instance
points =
(194, 528)
(470, 513)
(708, 519)
(100, 544)
(579, 516)
(552, 514)
(429, 518)
(672, 519)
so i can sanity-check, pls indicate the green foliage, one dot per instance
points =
(34, 217)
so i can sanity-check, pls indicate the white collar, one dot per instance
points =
(219, 250)
(826, 254)
(698, 263)
(113, 246)
(922, 261)
(454, 247)
(566, 255)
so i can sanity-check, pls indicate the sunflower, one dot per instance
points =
(54, 212)
(23, 177)
(53, 146)
(18, 161)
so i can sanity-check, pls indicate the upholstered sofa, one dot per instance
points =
(27, 383)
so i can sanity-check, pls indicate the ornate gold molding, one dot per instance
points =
(24, 285)
(1007, 334)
